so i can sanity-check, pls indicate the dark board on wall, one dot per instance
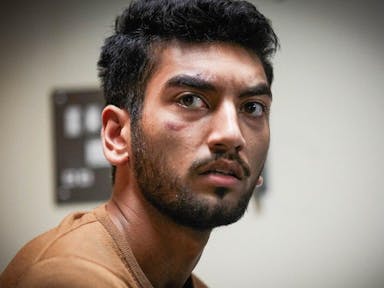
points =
(81, 171)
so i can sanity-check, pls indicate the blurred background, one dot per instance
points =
(321, 222)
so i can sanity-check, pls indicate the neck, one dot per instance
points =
(166, 251)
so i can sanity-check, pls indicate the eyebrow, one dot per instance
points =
(257, 90)
(198, 83)
(190, 82)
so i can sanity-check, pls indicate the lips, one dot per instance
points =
(223, 167)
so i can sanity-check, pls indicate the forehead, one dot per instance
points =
(217, 62)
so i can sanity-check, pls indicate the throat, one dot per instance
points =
(157, 243)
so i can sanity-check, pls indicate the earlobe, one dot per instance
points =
(260, 182)
(115, 134)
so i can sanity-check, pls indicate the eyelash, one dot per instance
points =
(264, 107)
(254, 106)
(196, 96)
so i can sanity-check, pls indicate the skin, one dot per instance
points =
(223, 110)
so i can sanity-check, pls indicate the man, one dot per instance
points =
(186, 128)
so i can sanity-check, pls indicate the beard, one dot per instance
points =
(173, 196)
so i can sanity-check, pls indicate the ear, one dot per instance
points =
(260, 182)
(116, 135)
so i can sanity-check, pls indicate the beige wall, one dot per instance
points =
(321, 224)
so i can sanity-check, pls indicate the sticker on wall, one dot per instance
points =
(81, 171)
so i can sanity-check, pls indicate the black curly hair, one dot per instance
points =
(127, 57)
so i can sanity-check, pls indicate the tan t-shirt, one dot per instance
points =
(85, 250)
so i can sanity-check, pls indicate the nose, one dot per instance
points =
(225, 133)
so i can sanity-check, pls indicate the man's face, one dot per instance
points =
(202, 141)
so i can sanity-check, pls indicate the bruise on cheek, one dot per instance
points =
(174, 125)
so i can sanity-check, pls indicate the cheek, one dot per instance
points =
(174, 126)
(180, 147)
(180, 136)
(184, 140)
(258, 148)
(173, 136)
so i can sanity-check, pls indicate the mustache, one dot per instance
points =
(222, 156)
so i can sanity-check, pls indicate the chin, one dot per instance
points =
(218, 208)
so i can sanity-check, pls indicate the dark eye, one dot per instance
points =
(191, 101)
(254, 109)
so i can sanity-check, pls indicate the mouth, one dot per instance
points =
(223, 168)
(222, 172)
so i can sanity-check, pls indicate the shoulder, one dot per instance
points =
(78, 246)
(69, 272)
(35, 249)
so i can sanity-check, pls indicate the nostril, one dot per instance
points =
(222, 147)
(219, 149)
(238, 148)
